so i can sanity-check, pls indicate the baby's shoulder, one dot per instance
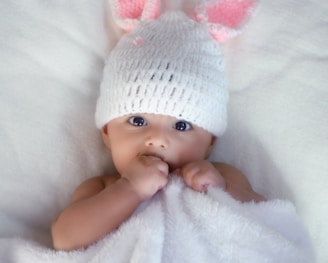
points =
(92, 186)
(107, 179)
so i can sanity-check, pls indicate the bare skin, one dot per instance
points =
(145, 149)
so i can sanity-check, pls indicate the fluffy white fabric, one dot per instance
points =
(181, 225)
(52, 55)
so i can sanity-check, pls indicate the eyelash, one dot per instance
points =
(132, 121)
(186, 126)
(179, 125)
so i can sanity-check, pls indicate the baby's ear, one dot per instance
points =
(210, 147)
(213, 141)
(105, 136)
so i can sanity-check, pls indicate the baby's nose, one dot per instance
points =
(157, 139)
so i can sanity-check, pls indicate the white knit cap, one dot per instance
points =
(170, 66)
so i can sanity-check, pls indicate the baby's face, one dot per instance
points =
(176, 142)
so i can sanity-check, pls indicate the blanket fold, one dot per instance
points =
(181, 225)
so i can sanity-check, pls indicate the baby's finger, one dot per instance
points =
(190, 170)
(163, 167)
(201, 183)
(151, 160)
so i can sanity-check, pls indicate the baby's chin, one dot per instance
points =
(172, 169)
(175, 168)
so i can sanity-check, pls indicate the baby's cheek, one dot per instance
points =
(185, 152)
(121, 161)
(197, 153)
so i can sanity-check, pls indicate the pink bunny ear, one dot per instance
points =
(127, 14)
(225, 18)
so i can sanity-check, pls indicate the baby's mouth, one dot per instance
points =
(152, 154)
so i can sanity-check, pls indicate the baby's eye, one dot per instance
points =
(137, 121)
(182, 126)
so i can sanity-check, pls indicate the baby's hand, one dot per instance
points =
(201, 174)
(147, 175)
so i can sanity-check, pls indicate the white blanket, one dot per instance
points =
(181, 225)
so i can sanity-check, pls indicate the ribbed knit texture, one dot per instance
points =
(169, 66)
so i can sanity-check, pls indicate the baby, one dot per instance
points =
(162, 106)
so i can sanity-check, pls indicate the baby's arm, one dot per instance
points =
(101, 204)
(201, 174)
(97, 207)
(237, 185)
